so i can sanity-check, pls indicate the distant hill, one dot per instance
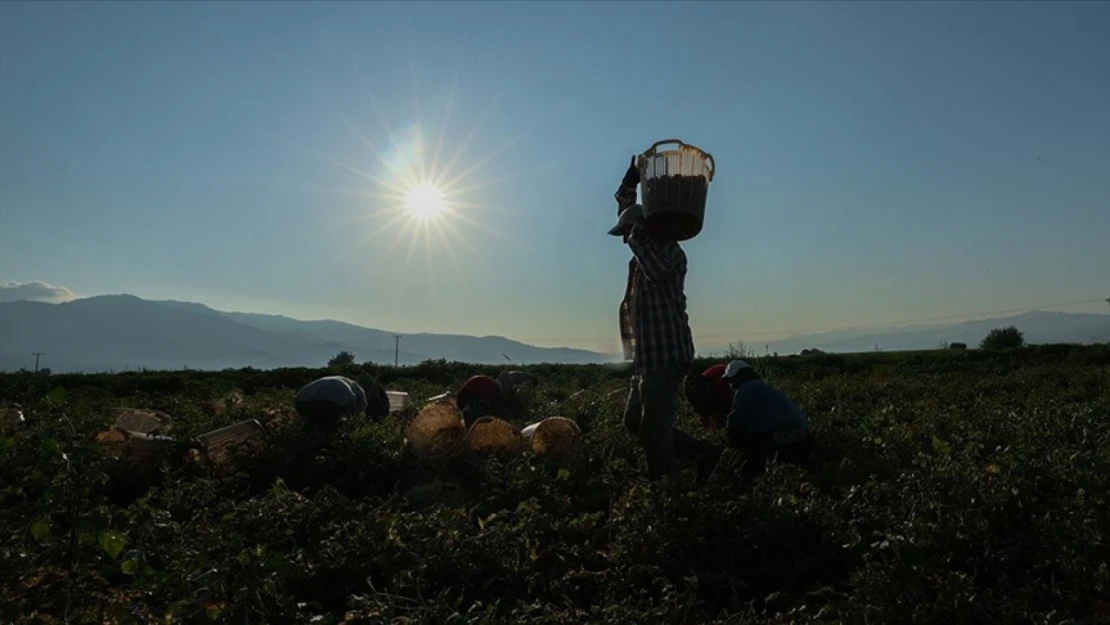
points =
(1038, 326)
(118, 332)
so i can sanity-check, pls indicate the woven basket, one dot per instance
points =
(134, 448)
(674, 186)
(218, 446)
(554, 437)
(492, 436)
(142, 421)
(437, 430)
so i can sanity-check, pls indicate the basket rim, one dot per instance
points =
(654, 152)
(515, 440)
(441, 412)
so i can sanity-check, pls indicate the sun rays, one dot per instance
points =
(416, 192)
(425, 202)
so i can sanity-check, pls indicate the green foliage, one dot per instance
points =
(1003, 338)
(948, 486)
(342, 359)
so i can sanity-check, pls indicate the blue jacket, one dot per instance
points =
(758, 408)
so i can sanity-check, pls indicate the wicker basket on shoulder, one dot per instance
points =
(674, 187)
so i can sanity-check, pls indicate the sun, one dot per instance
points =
(422, 194)
(425, 202)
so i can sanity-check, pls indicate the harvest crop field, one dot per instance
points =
(948, 487)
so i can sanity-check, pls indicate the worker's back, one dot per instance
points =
(335, 389)
(758, 408)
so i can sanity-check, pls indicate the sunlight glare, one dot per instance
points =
(425, 202)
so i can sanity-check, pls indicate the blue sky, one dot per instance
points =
(878, 162)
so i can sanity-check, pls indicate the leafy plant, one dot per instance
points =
(946, 486)
(342, 359)
(1003, 338)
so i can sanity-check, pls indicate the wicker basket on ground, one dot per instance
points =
(217, 447)
(136, 449)
(143, 421)
(436, 431)
(554, 437)
(491, 436)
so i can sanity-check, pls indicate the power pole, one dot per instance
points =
(37, 355)
(1108, 301)
(396, 348)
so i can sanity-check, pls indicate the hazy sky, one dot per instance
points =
(877, 161)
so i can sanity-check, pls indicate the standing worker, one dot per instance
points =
(323, 402)
(656, 337)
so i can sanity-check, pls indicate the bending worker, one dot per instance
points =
(325, 401)
(760, 421)
(482, 396)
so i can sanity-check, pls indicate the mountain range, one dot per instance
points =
(121, 332)
(1038, 327)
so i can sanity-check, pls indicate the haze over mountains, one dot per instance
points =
(1038, 326)
(116, 332)
(119, 332)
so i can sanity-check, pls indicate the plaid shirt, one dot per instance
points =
(655, 331)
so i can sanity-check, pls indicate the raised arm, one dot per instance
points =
(626, 193)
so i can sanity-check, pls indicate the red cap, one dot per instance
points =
(480, 387)
(714, 373)
(720, 388)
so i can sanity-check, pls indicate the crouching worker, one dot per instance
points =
(760, 421)
(709, 396)
(482, 395)
(324, 402)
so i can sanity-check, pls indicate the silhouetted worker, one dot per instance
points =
(656, 337)
(323, 402)
(709, 396)
(761, 422)
(482, 395)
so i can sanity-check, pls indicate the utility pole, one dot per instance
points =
(1108, 301)
(396, 348)
(37, 355)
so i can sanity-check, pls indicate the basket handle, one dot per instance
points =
(655, 146)
(651, 151)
